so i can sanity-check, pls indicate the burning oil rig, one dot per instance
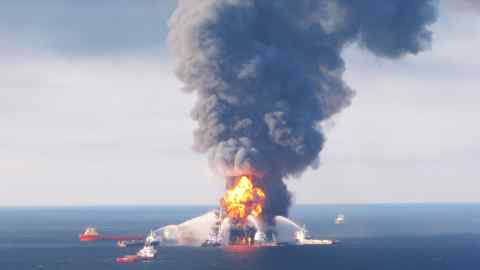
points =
(239, 221)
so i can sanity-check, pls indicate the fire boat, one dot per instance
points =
(303, 237)
(147, 253)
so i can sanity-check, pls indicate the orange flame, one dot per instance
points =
(243, 199)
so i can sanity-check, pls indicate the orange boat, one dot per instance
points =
(90, 234)
(128, 259)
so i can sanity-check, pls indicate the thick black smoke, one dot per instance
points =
(268, 72)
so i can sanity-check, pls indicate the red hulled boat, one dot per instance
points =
(128, 259)
(90, 234)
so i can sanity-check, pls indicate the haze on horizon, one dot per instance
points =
(90, 113)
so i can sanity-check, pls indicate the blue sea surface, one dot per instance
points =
(383, 237)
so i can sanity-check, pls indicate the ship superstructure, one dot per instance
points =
(148, 252)
(214, 236)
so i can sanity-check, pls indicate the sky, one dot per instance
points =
(92, 114)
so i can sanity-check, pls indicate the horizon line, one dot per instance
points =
(215, 206)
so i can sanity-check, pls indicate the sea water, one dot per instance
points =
(383, 237)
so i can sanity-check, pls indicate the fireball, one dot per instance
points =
(243, 199)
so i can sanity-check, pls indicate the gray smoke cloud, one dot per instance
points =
(268, 72)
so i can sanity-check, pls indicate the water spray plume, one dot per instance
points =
(268, 73)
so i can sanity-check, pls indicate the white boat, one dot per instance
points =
(340, 219)
(302, 237)
(214, 240)
(318, 242)
(260, 238)
(148, 252)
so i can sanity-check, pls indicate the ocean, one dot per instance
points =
(383, 237)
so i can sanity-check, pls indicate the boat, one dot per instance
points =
(326, 242)
(303, 237)
(90, 234)
(212, 241)
(127, 259)
(260, 238)
(340, 219)
(148, 252)
(214, 238)
(129, 243)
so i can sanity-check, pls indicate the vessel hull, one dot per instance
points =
(128, 259)
(89, 238)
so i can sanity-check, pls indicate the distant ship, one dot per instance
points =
(90, 234)
(340, 219)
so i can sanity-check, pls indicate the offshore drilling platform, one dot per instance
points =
(227, 232)
(239, 220)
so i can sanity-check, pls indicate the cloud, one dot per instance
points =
(70, 123)
(84, 27)
(462, 5)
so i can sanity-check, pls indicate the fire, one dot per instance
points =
(243, 199)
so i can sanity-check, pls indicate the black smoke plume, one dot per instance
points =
(268, 72)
